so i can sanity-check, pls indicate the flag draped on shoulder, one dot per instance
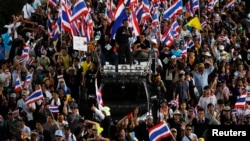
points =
(159, 131)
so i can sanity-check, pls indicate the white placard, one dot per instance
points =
(80, 43)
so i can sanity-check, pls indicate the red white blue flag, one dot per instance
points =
(159, 131)
(34, 97)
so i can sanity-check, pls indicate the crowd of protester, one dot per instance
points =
(205, 82)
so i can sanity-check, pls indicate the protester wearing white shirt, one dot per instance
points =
(189, 135)
(28, 10)
(37, 4)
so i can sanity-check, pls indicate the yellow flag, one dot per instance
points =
(195, 22)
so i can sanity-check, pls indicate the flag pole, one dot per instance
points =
(60, 9)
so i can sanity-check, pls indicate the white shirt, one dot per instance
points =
(27, 11)
(21, 104)
(204, 101)
(26, 130)
(36, 4)
(71, 137)
(13, 26)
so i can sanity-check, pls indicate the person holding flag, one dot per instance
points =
(26, 110)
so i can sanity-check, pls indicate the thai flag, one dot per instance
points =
(194, 5)
(75, 29)
(211, 4)
(89, 28)
(230, 4)
(60, 76)
(28, 80)
(175, 27)
(139, 13)
(18, 86)
(54, 109)
(145, 4)
(167, 39)
(30, 61)
(241, 101)
(155, 19)
(159, 131)
(204, 24)
(174, 9)
(120, 15)
(52, 3)
(190, 43)
(78, 10)
(25, 53)
(98, 94)
(134, 23)
(66, 12)
(175, 102)
(58, 28)
(109, 11)
(34, 97)
(188, 8)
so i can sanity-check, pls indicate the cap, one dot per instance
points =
(13, 95)
(221, 47)
(59, 133)
(173, 57)
(176, 112)
(106, 110)
(73, 105)
(149, 117)
(207, 54)
(70, 68)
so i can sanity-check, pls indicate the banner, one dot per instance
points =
(80, 43)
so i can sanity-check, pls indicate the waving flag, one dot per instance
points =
(120, 15)
(18, 86)
(145, 4)
(34, 97)
(28, 80)
(134, 23)
(194, 5)
(195, 22)
(54, 109)
(241, 101)
(230, 4)
(174, 9)
(79, 9)
(98, 94)
(25, 52)
(155, 19)
(52, 2)
(159, 131)
(66, 12)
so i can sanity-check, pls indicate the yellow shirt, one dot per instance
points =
(67, 61)
(85, 66)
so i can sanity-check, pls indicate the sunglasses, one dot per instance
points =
(94, 129)
(189, 129)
